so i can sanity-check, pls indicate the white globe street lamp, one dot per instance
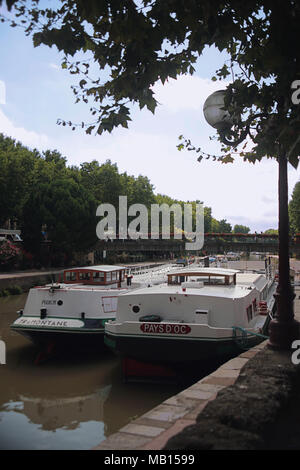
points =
(214, 111)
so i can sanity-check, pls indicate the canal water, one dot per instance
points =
(71, 402)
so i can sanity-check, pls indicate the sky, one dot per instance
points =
(35, 91)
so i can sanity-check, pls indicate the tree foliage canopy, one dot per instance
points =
(241, 229)
(271, 231)
(225, 226)
(134, 44)
(39, 191)
(294, 209)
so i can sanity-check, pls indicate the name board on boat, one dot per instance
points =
(48, 302)
(50, 323)
(174, 329)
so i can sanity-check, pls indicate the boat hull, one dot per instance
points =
(177, 351)
(75, 333)
(64, 339)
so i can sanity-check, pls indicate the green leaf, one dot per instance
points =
(227, 159)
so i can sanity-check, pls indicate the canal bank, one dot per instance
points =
(239, 406)
(27, 279)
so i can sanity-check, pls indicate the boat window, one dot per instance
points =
(249, 313)
(108, 276)
(215, 280)
(70, 276)
(84, 276)
(98, 276)
(114, 276)
(207, 279)
(201, 312)
(109, 304)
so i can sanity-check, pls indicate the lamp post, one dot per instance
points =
(283, 328)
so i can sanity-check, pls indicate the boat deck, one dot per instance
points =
(222, 291)
(92, 287)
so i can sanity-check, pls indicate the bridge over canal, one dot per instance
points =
(213, 243)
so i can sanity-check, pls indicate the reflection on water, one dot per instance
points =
(71, 402)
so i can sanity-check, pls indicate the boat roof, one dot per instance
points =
(207, 271)
(220, 291)
(258, 280)
(103, 268)
(245, 283)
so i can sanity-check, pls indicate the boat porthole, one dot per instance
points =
(60, 302)
(136, 309)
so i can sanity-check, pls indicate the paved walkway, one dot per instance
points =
(21, 274)
(31, 273)
(152, 430)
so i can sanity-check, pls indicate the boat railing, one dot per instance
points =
(242, 340)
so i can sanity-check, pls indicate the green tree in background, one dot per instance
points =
(67, 210)
(163, 199)
(294, 209)
(241, 229)
(103, 180)
(55, 157)
(16, 166)
(225, 226)
(138, 190)
(40, 192)
(215, 226)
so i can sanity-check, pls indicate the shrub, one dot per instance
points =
(4, 293)
(15, 290)
(9, 254)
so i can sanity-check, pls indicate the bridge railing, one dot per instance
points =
(221, 236)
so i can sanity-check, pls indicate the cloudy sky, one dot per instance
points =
(35, 92)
